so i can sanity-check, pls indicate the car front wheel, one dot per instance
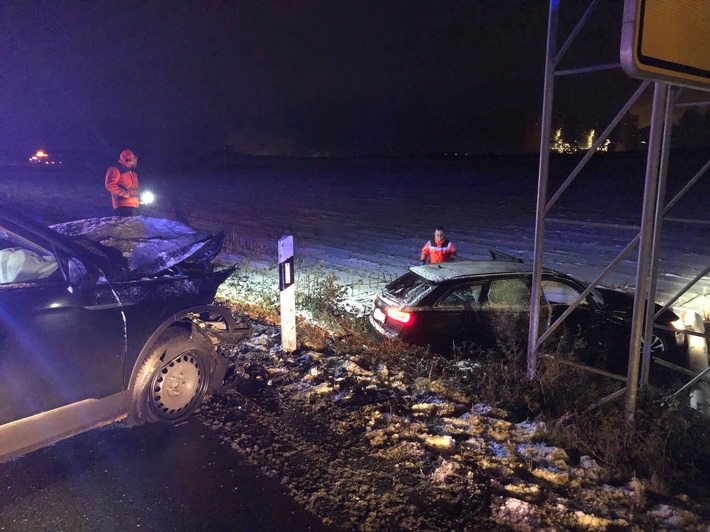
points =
(658, 345)
(173, 379)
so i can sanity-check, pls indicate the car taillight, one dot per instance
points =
(400, 316)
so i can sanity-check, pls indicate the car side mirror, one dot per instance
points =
(77, 272)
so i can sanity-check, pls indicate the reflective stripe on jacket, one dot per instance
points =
(122, 183)
(438, 251)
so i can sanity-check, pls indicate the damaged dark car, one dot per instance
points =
(106, 320)
(459, 308)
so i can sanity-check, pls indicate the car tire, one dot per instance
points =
(659, 346)
(173, 379)
(465, 348)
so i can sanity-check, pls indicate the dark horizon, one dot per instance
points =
(323, 78)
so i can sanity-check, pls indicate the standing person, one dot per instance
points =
(438, 250)
(122, 183)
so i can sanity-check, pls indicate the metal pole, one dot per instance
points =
(593, 149)
(682, 291)
(588, 290)
(543, 171)
(572, 36)
(587, 70)
(687, 187)
(692, 381)
(642, 268)
(657, 233)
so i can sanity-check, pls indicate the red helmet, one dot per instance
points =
(128, 158)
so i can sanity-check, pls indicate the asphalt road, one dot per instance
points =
(156, 477)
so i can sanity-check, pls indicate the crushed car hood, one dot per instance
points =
(140, 245)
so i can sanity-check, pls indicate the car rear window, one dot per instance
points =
(409, 288)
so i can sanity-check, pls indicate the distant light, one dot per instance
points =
(147, 197)
(39, 157)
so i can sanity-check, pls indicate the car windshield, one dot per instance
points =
(409, 288)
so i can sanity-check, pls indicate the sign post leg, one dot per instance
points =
(288, 294)
(288, 319)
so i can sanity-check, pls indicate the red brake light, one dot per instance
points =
(401, 316)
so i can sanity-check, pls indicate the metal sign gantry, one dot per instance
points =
(653, 210)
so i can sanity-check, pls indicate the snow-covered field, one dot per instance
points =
(367, 220)
(363, 447)
(370, 219)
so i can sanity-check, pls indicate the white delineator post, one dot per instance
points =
(288, 294)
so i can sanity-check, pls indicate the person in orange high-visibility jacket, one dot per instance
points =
(122, 183)
(438, 250)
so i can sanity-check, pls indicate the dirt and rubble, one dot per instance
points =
(368, 448)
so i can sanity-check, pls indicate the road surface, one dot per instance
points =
(155, 477)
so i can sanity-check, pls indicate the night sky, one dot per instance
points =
(287, 77)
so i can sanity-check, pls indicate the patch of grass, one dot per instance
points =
(255, 291)
(252, 292)
(320, 294)
(234, 242)
(668, 445)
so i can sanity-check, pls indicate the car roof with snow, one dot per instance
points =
(446, 271)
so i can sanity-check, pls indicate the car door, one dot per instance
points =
(505, 312)
(458, 317)
(585, 322)
(59, 343)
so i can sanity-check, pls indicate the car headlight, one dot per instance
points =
(679, 326)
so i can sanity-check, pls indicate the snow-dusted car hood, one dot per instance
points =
(146, 245)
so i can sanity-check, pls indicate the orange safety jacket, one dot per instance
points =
(438, 251)
(122, 183)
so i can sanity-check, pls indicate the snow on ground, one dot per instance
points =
(366, 448)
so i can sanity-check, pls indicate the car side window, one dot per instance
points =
(22, 261)
(509, 293)
(559, 293)
(462, 296)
